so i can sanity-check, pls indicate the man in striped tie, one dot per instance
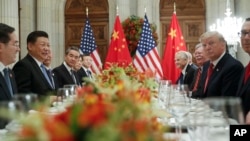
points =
(200, 59)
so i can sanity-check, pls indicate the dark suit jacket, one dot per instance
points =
(63, 76)
(4, 91)
(189, 76)
(81, 74)
(194, 95)
(224, 79)
(244, 93)
(30, 78)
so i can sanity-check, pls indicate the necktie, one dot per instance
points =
(44, 71)
(197, 79)
(89, 74)
(247, 73)
(7, 79)
(209, 73)
(181, 80)
(49, 73)
(73, 76)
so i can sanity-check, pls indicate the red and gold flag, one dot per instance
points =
(175, 42)
(118, 52)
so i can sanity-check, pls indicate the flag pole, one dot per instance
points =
(145, 10)
(117, 10)
(174, 8)
(87, 11)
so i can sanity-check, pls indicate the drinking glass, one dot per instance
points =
(72, 88)
(163, 93)
(62, 98)
(10, 110)
(28, 100)
(225, 112)
(179, 105)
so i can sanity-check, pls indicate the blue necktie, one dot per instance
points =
(46, 75)
(7, 79)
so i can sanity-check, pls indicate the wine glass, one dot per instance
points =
(225, 112)
(10, 110)
(28, 100)
(163, 93)
(62, 98)
(179, 105)
(72, 88)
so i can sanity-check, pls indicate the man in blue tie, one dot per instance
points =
(29, 73)
(9, 48)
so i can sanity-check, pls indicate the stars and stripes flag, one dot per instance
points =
(88, 46)
(146, 56)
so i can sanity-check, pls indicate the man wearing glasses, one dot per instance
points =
(244, 84)
(9, 49)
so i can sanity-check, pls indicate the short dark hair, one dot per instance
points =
(247, 19)
(32, 37)
(71, 48)
(5, 30)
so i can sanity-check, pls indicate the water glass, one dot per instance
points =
(28, 100)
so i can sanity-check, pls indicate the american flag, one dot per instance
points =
(88, 46)
(146, 56)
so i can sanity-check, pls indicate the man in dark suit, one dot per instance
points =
(65, 73)
(244, 83)
(221, 74)
(200, 59)
(187, 71)
(9, 48)
(30, 72)
(85, 71)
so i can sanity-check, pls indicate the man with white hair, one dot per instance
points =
(187, 71)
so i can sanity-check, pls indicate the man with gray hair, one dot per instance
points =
(221, 74)
(187, 71)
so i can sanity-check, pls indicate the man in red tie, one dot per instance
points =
(200, 59)
(222, 72)
(244, 83)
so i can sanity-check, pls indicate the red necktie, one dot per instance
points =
(247, 72)
(197, 79)
(209, 73)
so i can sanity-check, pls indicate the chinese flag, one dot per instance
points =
(175, 42)
(118, 52)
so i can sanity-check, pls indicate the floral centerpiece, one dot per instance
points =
(132, 27)
(116, 107)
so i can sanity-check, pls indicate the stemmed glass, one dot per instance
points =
(164, 92)
(10, 110)
(72, 88)
(225, 111)
(28, 100)
(179, 105)
(62, 97)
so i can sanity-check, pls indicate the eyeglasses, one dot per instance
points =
(244, 33)
(15, 44)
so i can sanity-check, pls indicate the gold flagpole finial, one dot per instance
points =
(117, 9)
(174, 8)
(87, 11)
